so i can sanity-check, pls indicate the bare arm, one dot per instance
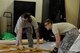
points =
(57, 36)
(20, 36)
(37, 36)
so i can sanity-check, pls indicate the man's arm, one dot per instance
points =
(57, 36)
(35, 25)
(20, 36)
(37, 36)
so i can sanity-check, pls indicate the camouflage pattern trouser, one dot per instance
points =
(70, 37)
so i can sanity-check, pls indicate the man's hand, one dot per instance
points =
(37, 36)
(37, 47)
(21, 47)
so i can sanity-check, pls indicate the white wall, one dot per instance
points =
(5, 5)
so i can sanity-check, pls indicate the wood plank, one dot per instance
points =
(10, 46)
(7, 47)
(24, 41)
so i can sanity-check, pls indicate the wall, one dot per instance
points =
(39, 6)
(5, 5)
(72, 10)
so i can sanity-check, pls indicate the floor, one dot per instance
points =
(51, 45)
(45, 45)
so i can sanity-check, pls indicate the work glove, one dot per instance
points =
(55, 50)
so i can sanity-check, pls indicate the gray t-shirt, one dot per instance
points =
(61, 28)
(20, 24)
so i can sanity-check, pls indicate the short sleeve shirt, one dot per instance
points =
(20, 24)
(61, 28)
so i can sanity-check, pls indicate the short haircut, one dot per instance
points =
(48, 21)
(27, 15)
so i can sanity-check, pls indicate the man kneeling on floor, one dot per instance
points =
(67, 29)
